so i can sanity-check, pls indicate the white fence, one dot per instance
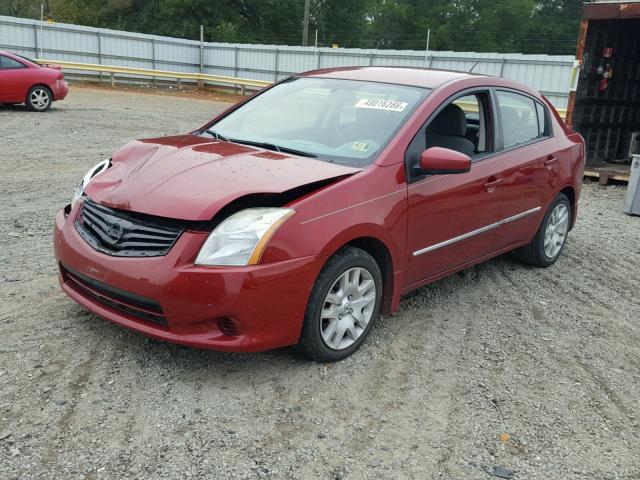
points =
(548, 74)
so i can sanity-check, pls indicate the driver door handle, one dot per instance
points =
(551, 159)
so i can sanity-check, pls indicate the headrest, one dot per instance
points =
(450, 122)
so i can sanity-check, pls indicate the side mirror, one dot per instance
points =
(438, 160)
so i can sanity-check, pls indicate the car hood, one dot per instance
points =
(191, 178)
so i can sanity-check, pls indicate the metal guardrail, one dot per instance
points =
(114, 69)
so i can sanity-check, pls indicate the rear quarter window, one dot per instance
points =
(543, 122)
(7, 63)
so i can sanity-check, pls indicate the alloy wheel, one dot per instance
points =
(39, 98)
(556, 232)
(348, 308)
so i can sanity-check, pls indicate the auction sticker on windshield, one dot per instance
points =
(381, 104)
(360, 146)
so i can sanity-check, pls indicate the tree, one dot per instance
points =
(340, 22)
(525, 26)
(20, 8)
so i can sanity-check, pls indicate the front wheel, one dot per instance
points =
(39, 99)
(343, 306)
(547, 245)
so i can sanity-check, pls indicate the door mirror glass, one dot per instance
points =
(438, 160)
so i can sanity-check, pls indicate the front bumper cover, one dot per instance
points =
(265, 302)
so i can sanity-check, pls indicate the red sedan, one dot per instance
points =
(299, 215)
(22, 80)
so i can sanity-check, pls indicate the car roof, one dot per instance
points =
(11, 55)
(417, 77)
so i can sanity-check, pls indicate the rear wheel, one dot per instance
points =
(39, 99)
(547, 245)
(343, 306)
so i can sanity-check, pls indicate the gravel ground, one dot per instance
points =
(535, 371)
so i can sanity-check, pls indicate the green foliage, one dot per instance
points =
(526, 26)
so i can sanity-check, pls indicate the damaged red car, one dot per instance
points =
(300, 215)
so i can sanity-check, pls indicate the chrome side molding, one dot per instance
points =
(464, 236)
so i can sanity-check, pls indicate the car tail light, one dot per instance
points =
(228, 326)
(61, 76)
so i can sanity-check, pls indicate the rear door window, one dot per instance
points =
(519, 117)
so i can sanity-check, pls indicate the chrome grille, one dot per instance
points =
(122, 234)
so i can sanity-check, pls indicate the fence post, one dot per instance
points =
(504, 60)
(235, 67)
(371, 59)
(315, 47)
(153, 58)
(319, 55)
(200, 81)
(35, 38)
(275, 67)
(99, 53)
(204, 49)
(426, 52)
(99, 38)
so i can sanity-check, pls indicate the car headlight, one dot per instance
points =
(241, 238)
(93, 171)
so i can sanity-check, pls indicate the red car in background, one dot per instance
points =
(300, 214)
(22, 80)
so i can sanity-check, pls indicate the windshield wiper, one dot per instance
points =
(273, 146)
(217, 135)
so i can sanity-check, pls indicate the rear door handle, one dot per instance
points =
(491, 185)
(551, 159)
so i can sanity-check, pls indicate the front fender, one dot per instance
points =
(344, 213)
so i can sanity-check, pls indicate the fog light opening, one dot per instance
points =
(228, 326)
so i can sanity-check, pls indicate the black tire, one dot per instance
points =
(534, 253)
(311, 343)
(40, 91)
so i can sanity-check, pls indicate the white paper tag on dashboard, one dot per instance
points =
(390, 106)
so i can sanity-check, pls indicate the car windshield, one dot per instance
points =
(341, 121)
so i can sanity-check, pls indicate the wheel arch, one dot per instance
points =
(570, 193)
(375, 246)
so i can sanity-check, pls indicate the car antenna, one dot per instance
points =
(474, 66)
